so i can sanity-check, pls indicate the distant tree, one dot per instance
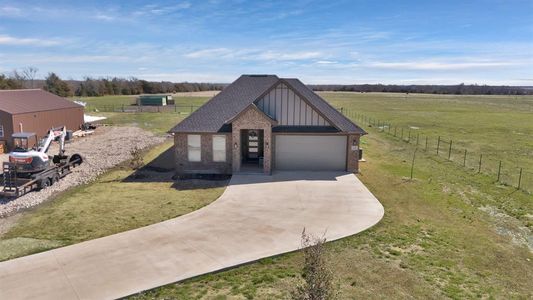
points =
(55, 85)
(7, 83)
(29, 74)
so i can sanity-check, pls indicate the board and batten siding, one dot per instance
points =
(285, 106)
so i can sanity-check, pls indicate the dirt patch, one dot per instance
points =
(508, 226)
(108, 147)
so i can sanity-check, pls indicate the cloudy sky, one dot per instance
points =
(340, 41)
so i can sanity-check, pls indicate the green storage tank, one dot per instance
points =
(155, 100)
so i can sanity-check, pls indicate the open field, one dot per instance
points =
(500, 127)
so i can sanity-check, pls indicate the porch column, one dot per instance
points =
(267, 150)
(236, 150)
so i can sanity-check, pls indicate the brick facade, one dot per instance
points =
(252, 118)
(352, 163)
(206, 165)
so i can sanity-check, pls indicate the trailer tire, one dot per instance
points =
(44, 183)
(75, 159)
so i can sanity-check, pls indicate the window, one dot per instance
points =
(1, 130)
(194, 148)
(219, 148)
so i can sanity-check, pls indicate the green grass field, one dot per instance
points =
(499, 127)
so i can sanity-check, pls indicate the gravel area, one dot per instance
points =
(106, 148)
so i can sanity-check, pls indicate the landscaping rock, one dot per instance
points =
(108, 147)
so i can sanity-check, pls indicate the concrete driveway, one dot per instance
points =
(257, 216)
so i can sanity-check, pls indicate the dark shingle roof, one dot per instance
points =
(32, 100)
(213, 116)
(237, 96)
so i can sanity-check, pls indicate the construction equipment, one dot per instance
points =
(31, 168)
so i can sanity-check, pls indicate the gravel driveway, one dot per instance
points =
(105, 149)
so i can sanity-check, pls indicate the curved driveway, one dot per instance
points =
(257, 216)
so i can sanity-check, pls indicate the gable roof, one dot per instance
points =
(236, 97)
(32, 100)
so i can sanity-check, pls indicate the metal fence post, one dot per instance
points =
(520, 178)
(395, 130)
(413, 163)
(426, 144)
(438, 145)
(417, 137)
(402, 133)
(450, 150)
(464, 160)
(499, 171)
(480, 159)
(409, 138)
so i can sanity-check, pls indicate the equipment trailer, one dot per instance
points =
(32, 169)
(16, 185)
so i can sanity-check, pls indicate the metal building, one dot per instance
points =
(35, 110)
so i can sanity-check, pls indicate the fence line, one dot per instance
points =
(141, 108)
(503, 173)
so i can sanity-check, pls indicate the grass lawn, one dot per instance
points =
(107, 206)
(449, 233)
(158, 123)
(499, 127)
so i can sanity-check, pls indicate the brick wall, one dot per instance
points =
(206, 165)
(353, 155)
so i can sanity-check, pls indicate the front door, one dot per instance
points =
(252, 140)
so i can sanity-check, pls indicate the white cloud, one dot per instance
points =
(16, 41)
(278, 55)
(104, 17)
(10, 11)
(209, 53)
(439, 66)
(326, 62)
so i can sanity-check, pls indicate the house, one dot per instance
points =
(36, 111)
(261, 123)
(155, 100)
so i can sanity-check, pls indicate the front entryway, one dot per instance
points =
(252, 150)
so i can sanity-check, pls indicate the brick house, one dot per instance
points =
(261, 123)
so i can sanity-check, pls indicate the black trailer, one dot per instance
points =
(17, 183)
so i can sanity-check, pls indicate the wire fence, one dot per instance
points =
(479, 163)
(141, 108)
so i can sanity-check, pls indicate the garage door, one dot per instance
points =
(310, 152)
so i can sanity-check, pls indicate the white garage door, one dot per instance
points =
(310, 152)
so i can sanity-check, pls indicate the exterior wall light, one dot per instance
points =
(235, 145)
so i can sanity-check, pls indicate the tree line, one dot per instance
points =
(93, 87)
(459, 89)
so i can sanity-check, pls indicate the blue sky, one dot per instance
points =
(374, 41)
